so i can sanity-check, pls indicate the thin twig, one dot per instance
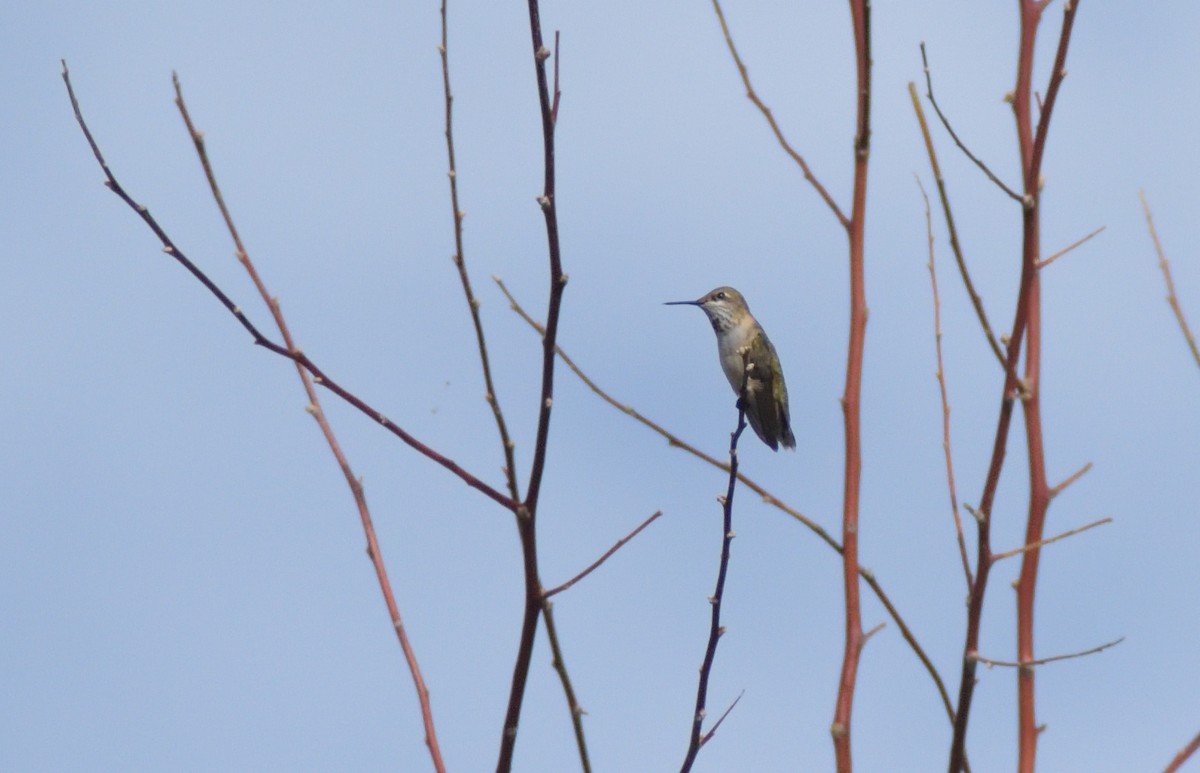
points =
(716, 630)
(955, 245)
(560, 667)
(1043, 661)
(1056, 490)
(319, 376)
(766, 111)
(557, 92)
(607, 554)
(1183, 755)
(374, 552)
(713, 730)
(1172, 299)
(1079, 242)
(767, 497)
(941, 379)
(493, 399)
(954, 135)
(1043, 542)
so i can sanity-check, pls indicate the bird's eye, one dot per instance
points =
(721, 295)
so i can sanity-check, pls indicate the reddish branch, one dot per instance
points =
(1027, 323)
(716, 630)
(309, 374)
(1183, 755)
(860, 12)
(527, 512)
(1032, 150)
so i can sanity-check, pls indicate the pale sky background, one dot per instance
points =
(182, 575)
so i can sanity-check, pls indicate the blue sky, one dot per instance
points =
(182, 573)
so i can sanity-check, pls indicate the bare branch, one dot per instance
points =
(716, 630)
(713, 730)
(493, 399)
(319, 376)
(868, 634)
(1043, 542)
(1043, 661)
(766, 111)
(560, 667)
(1056, 490)
(1172, 299)
(527, 512)
(1047, 261)
(1183, 755)
(955, 245)
(941, 379)
(314, 408)
(954, 135)
(607, 554)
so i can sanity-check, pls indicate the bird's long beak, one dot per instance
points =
(682, 303)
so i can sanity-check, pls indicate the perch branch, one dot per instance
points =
(716, 630)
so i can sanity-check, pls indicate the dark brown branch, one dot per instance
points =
(1043, 661)
(1077, 243)
(954, 135)
(527, 512)
(767, 497)
(1172, 299)
(1183, 755)
(716, 630)
(766, 111)
(314, 408)
(493, 399)
(955, 245)
(319, 376)
(1043, 542)
(607, 554)
(941, 379)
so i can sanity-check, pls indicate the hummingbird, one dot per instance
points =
(739, 335)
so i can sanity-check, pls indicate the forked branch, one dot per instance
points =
(304, 369)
